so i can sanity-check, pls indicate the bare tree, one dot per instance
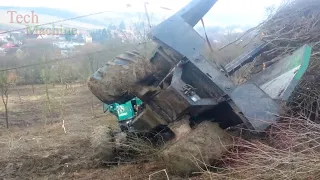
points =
(4, 85)
(45, 77)
(12, 78)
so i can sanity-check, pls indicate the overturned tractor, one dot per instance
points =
(178, 89)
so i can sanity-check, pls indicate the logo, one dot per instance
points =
(120, 110)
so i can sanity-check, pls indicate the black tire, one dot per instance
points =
(115, 82)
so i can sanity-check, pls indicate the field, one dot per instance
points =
(51, 127)
(57, 146)
(54, 142)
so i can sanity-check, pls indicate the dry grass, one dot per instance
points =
(290, 152)
(293, 25)
(113, 148)
(44, 150)
(45, 144)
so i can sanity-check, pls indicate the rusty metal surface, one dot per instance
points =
(148, 120)
(169, 104)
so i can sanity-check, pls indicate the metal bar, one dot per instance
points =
(195, 10)
(236, 64)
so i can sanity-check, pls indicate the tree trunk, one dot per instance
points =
(18, 94)
(92, 108)
(5, 98)
(6, 115)
(48, 98)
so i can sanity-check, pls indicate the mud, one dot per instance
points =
(200, 148)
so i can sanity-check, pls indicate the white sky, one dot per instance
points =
(240, 11)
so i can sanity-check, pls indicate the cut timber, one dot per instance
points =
(202, 146)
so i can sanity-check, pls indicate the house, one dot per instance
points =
(88, 39)
(32, 36)
(124, 35)
(45, 36)
(61, 38)
(65, 52)
(64, 45)
(4, 37)
(9, 48)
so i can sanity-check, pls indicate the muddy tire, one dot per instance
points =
(204, 144)
(118, 80)
(102, 143)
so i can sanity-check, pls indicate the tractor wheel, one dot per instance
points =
(117, 81)
(103, 144)
(195, 148)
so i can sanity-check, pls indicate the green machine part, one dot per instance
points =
(123, 111)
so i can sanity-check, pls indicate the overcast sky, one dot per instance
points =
(224, 12)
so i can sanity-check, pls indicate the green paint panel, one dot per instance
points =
(281, 78)
(300, 57)
(305, 54)
(123, 111)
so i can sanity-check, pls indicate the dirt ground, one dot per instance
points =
(53, 142)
